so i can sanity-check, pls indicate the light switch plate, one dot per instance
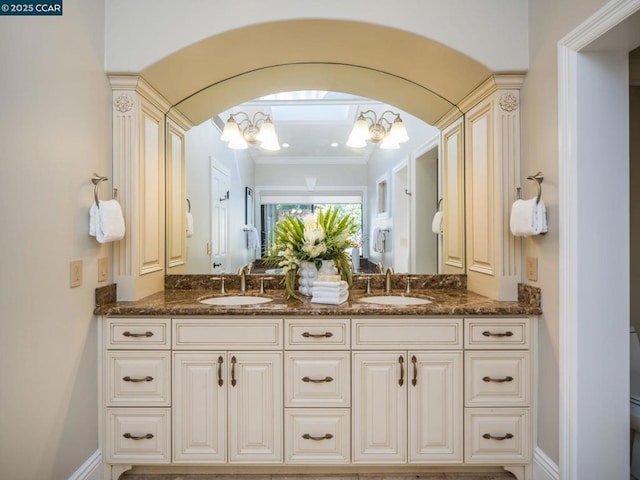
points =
(103, 269)
(532, 269)
(76, 274)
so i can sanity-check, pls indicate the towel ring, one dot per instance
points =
(96, 180)
(439, 203)
(188, 206)
(539, 178)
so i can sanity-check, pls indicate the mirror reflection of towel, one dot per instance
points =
(189, 219)
(379, 237)
(436, 224)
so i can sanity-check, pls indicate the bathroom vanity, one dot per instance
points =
(295, 387)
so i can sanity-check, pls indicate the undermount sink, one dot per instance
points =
(396, 300)
(235, 300)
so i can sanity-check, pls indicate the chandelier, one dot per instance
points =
(390, 133)
(258, 130)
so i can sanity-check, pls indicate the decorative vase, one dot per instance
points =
(307, 274)
(328, 267)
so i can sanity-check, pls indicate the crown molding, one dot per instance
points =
(448, 118)
(140, 86)
(489, 86)
(179, 119)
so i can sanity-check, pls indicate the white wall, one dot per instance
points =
(202, 144)
(549, 21)
(134, 42)
(56, 131)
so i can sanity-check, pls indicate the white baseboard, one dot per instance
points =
(90, 469)
(543, 467)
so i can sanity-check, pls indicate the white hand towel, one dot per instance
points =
(110, 228)
(528, 218)
(436, 224)
(94, 220)
(330, 300)
(378, 240)
(322, 291)
(255, 237)
(189, 221)
(339, 284)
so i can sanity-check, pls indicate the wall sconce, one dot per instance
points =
(258, 130)
(369, 126)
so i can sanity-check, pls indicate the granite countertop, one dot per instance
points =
(444, 301)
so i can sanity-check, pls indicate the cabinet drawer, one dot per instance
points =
(407, 333)
(138, 435)
(320, 379)
(138, 378)
(317, 436)
(497, 379)
(497, 333)
(236, 334)
(497, 435)
(312, 334)
(137, 333)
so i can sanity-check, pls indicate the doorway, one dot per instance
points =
(219, 219)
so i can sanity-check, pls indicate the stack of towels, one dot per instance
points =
(106, 221)
(528, 218)
(329, 289)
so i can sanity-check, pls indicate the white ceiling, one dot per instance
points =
(311, 121)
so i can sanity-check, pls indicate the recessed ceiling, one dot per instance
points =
(316, 124)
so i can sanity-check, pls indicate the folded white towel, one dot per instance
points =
(322, 291)
(110, 225)
(189, 221)
(436, 224)
(528, 218)
(330, 299)
(339, 284)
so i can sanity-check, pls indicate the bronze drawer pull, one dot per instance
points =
(233, 371)
(401, 362)
(488, 436)
(136, 380)
(414, 361)
(326, 436)
(135, 335)
(317, 335)
(317, 380)
(487, 333)
(497, 380)
(148, 436)
(220, 382)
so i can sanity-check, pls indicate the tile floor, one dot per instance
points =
(428, 476)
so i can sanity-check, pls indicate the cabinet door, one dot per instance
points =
(200, 407)
(379, 407)
(255, 407)
(435, 407)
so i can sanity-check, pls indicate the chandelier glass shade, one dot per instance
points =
(388, 132)
(240, 131)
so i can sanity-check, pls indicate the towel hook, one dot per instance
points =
(539, 178)
(439, 204)
(188, 206)
(96, 180)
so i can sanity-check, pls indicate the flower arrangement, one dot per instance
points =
(314, 238)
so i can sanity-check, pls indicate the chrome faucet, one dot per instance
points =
(243, 272)
(387, 279)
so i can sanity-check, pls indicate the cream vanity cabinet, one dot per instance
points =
(318, 391)
(227, 391)
(407, 399)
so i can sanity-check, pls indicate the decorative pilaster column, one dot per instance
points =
(492, 174)
(139, 177)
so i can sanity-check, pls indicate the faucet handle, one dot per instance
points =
(262, 279)
(368, 279)
(408, 289)
(222, 290)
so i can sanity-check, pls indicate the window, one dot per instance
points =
(274, 212)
